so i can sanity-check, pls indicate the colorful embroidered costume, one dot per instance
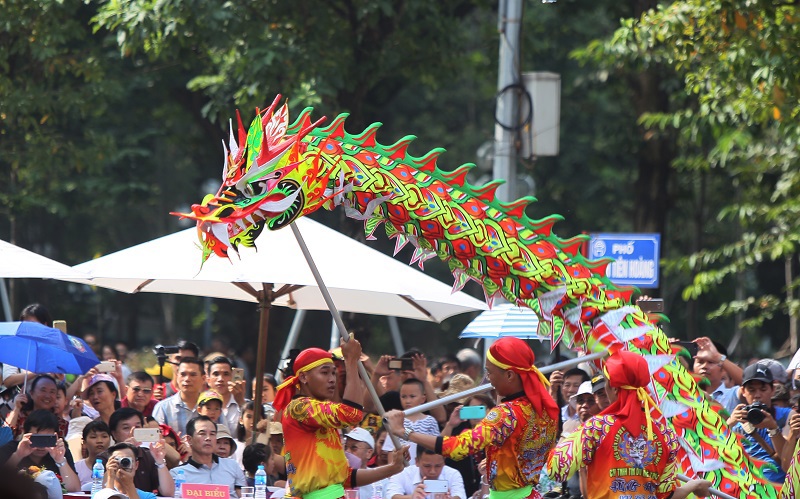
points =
(518, 433)
(316, 466)
(314, 454)
(625, 451)
(516, 440)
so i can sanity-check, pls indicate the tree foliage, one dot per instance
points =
(735, 121)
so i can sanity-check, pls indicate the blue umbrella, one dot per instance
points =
(502, 320)
(41, 349)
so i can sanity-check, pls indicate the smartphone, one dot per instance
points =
(107, 366)
(401, 364)
(238, 374)
(435, 486)
(688, 345)
(61, 326)
(653, 305)
(472, 412)
(147, 434)
(47, 440)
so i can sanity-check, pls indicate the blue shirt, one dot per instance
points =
(146, 495)
(174, 412)
(772, 470)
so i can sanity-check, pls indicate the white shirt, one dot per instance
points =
(727, 397)
(230, 415)
(223, 471)
(426, 426)
(404, 482)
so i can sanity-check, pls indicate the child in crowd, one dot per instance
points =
(412, 394)
(96, 440)
(209, 404)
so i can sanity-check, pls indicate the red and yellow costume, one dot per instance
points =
(518, 433)
(625, 451)
(316, 466)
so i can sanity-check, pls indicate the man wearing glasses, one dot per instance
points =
(140, 393)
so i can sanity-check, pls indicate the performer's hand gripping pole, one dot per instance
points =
(488, 386)
(712, 491)
(340, 326)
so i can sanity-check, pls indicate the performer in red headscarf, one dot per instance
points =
(517, 434)
(316, 465)
(624, 451)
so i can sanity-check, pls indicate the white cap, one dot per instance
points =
(109, 494)
(362, 435)
(584, 389)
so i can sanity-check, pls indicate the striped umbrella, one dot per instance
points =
(504, 319)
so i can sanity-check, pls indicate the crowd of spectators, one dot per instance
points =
(203, 421)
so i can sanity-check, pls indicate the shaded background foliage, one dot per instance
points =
(112, 112)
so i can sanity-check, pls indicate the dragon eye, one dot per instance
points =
(248, 190)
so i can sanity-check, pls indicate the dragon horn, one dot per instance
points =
(242, 130)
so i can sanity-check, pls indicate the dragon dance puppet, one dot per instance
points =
(278, 171)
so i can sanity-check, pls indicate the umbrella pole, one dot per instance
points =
(27, 363)
(342, 330)
(264, 305)
(488, 386)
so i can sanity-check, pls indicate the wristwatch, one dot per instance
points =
(62, 463)
(722, 359)
(407, 433)
(774, 432)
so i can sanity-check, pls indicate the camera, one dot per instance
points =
(754, 414)
(125, 463)
(165, 350)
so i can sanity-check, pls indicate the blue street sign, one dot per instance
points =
(635, 257)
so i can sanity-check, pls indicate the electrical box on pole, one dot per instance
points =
(540, 137)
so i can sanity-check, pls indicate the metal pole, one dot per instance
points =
(334, 336)
(342, 330)
(711, 490)
(4, 299)
(394, 327)
(488, 386)
(264, 305)
(294, 333)
(504, 165)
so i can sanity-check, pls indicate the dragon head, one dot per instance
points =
(263, 179)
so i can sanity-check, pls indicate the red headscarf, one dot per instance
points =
(515, 355)
(306, 360)
(629, 373)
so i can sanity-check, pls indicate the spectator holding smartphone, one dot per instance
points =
(219, 376)
(22, 454)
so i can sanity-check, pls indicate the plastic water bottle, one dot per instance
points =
(261, 482)
(98, 471)
(179, 480)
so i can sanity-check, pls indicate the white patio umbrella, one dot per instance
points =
(17, 263)
(359, 278)
(504, 319)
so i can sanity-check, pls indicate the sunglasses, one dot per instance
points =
(145, 390)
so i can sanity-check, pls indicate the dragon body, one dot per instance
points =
(278, 171)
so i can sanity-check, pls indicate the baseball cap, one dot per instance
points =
(167, 372)
(208, 396)
(275, 428)
(584, 389)
(97, 378)
(223, 431)
(598, 383)
(757, 372)
(362, 435)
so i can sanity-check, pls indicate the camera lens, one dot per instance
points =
(754, 414)
(125, 463)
